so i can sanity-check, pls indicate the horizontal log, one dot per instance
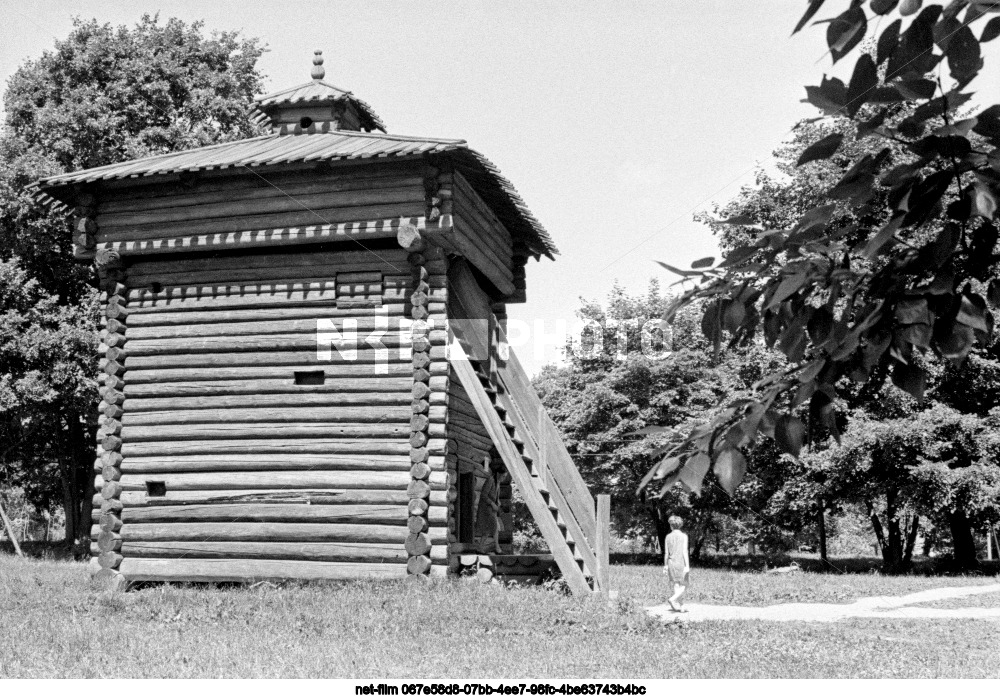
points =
(265, 462)
(295, 218)
(277, 480)
(268, 531)
(145, 434)
(268, 512)
(316, 322)
(306, 340)
(274, 400)
(245, 571)
(339, 260)
(396, 367)
(357, 414)
(246, 359)
(231, 387)
(222, 185)
(282, 550)
(241, 207)
(173, 316)
(348, 496)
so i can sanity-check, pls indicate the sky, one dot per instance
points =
(615, 121)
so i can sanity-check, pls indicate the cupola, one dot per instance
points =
(316, 107)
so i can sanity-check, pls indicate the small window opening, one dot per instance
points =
(156, 489)
(310, 378)
(466, 518)
(156, 287)
(305, 122)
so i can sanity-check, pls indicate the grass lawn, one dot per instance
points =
(56, 625)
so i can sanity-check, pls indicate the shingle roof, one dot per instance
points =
(275, 149)
(319, 92)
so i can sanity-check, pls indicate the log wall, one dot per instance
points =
(244, 435)
(470, 449)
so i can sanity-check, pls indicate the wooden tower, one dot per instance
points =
(303, 365)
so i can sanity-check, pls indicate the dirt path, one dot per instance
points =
(870, 607)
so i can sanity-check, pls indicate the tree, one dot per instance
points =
(780, 200)
(102, 95)
(904, 278)
(611, 394)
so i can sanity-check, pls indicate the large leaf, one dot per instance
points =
(914, 57)
(883, 7)
(964, 59)
(822, 149)
(992, 30)
(829, 96)
(789, 433)
(811, 11)
(882, 238)
(730, 468)
(887, 42)
(694, 471)
(846, 31)
(788, 286)
(912, 311)
(908, 7)
(864, 80)
(911, 379)
(984, 201)
(703, 262)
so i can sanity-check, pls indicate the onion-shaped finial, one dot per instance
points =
(317, 70)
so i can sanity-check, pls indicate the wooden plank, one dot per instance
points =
(278, 480)
(229, 387)
(242, 206)
(266, 430)
(265, 462)
(10, 531)
(267, 512)
(393, 367)
(577, 530)
(246, 571)
(518, 470)
(349, 496)
(268, 531)
(278, 358)
(356, 414)
(220, 185)
(271, 343)
(602, 544)
(270, 400)
(502, 278)
(558, 460)
(165, 320)
(282, 550)
(267, 446)
(293, 218)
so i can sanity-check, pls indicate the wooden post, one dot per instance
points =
(602, 545)
(109, 542)
(989, 544)
(10, 531)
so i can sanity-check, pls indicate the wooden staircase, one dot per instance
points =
(540, 465)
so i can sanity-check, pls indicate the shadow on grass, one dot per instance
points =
(53, 551)
(810, 563)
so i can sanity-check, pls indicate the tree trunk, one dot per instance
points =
(821, 517)
(890, 537)
(662, 528)
(962, 540)
(911, 539)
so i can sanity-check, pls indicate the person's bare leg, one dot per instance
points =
(674, 600)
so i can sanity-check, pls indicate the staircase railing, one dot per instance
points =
(555, 492)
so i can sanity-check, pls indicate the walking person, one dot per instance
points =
(675, 562)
